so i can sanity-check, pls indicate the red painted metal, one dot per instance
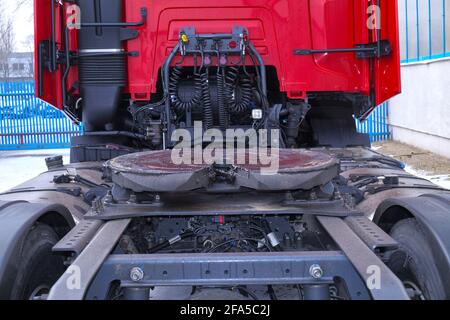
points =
(387, 76)
(42, 31)
(52, 92)
(276, 27)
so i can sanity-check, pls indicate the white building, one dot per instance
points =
(420, 116)
(19, 66)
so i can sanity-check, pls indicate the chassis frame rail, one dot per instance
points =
(227, 269)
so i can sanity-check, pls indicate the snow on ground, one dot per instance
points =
(17, 167)
(440, 180)
(421, 163)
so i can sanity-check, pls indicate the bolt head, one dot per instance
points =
(136, 274)
(316, 271)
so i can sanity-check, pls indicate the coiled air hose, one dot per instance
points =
(222, 99)
(208, 113)
(177, 102)
(239, 103)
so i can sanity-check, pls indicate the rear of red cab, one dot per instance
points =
(277, 28)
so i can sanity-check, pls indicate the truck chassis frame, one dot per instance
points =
(297, 268)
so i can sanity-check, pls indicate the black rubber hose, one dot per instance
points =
(222, 101)
(242, 102)
(177, 102)
(208, 113)
(168, 243)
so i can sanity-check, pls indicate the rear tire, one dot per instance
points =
(413, 262)
(39, 268)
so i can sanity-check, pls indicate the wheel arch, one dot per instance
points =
(17, 218)
(432, 212)
(391, 215)
(58, 222)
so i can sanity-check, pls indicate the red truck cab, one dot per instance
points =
(310, 47)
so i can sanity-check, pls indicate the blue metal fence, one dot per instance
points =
(377, 125)
(423, 29)
(27, 122)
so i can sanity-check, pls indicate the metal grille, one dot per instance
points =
(377, 125)
(423, 29)
(27, 122)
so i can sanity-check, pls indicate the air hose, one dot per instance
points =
(242, 101)
(208, 113)
(222, 101)
(177, 102)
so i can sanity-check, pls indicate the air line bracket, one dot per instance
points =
(225, 43)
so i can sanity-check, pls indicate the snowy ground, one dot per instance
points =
(442, 180)
(17, 167)
(419, 162)
(20, 166)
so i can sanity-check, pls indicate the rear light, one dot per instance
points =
(232, 45)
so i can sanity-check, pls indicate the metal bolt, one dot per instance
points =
(136, 274)
(133, 198)
(108, 198)
(97, 207)
(316, 271)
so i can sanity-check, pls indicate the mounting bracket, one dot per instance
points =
(363, 51)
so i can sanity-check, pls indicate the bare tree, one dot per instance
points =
(7, 35)
(29, 45)
(6, 40)
(20, 3)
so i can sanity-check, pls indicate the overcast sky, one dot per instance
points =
(23, 23)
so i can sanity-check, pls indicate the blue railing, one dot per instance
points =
(423, 29)
(27, 122)
(377, 125)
